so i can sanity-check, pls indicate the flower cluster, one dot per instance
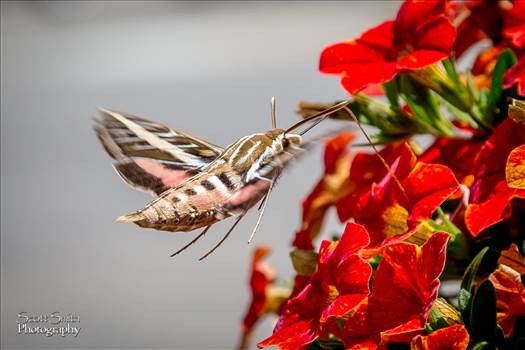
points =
(417, 210)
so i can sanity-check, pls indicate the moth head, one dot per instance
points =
(291, 140)
(284, 139)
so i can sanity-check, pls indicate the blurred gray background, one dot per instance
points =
(208, 68)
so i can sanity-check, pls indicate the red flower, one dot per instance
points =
(476, 20)
(393, 211)
(490, 195)
(516, 76)
(265, 297)
(419, 36)
(404, 288)
(366, 168)
(450, 338)
(514, 30)
(457, 154)
(327, 190)
(510, 293)
(338, 286)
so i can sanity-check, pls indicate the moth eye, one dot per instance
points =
(285, 143)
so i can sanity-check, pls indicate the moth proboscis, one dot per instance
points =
(196, 183)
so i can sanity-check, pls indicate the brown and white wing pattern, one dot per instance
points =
(150, 156)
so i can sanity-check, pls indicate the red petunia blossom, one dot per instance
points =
(393, 211)
(404, 288)
(327, 190)
(476, 20)
(457, 154)
(490, 195)
(510, 293)
(340, 283)
(265, 297)
(514, 30)
(450, 338)
(516, 76)
(419, 36)
(366, 168)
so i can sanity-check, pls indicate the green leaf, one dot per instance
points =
(483, 314)
(482, 346)
(465, 291)
(391, 92)
(470, 273)
(505, 60)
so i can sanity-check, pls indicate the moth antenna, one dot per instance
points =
(274, 116)
(192, 241)
(223, 238)
(385, 164)
(318, 115)
(261, 207)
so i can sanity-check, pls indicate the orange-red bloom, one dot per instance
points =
(510, 292)
(338, 286)
(366, 169)
(450, 338)
(490, 195)
(457, 154)
(265, 297)
(419, 36)
(514, 30)
(327, 190)
(404, 288)
(392, 211)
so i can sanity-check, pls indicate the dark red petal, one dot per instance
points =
(450, 338)
(457, 154)
(359, 75)
(516, 76)
(437, 34)
(420, 58)
(412, 13)
(337, 58)
(515, 25)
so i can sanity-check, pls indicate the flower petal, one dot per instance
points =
(515, 169)
(420, 58)
(490, 196)
(516, 76)
(359, 75)
(340, 57)
(450, 338)
(292, 337)
(404, 288)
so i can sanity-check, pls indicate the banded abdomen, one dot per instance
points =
(199, 202)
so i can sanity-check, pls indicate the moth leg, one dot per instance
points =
(223, 238)
(262, 206)
(193, 241)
